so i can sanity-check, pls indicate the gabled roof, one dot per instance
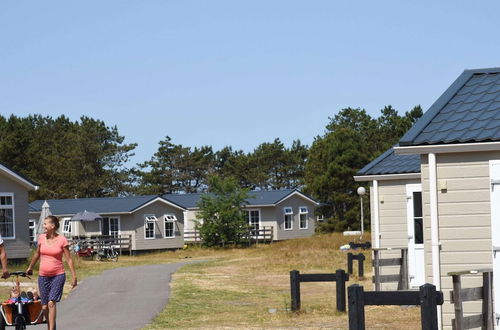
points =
(104, 205)
(391, 163)
(13, 175)
(257, 198)
(467, 112)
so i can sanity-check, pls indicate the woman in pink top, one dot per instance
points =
(51, 247)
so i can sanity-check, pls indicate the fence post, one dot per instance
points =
(356, 307)
(488, 318)
(428, 307)
(457, 301)
(295, 289)
(404, 269)
(376, 258)
(349, 263)
(361, 261)
(340, 277)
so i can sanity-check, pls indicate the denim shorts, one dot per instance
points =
(51, 288)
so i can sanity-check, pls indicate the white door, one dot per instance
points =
(495, 230)
(416, 262)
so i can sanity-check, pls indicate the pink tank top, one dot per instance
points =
(51, 255)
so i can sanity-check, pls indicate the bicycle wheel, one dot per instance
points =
(2, 323)
(20, 322)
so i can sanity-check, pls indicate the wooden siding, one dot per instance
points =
(464, 221)
(18, 247)
(295, 202)
(393, 223)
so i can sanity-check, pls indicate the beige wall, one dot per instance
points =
(464, 220)
(18, 247)
(393, 222)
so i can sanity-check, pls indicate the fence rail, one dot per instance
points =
(263, 234)
(485, 320)
(120, 242)
(427, 298)
(401, 278)
(340, 277)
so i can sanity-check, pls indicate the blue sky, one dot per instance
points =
(234, 73)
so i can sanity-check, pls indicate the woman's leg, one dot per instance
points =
(46, 314)
(52, 316)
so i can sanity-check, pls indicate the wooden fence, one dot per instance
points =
(120, 242)
(402, 262)
(485, 320)
(360, 257)
(340, 277)
(427, 298)
(264, 234)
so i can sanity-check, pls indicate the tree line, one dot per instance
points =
(87, 158)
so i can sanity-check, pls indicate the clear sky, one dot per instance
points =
(232, 72)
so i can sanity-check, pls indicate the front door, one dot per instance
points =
(495, 230)
(416, 262)
(110, 226)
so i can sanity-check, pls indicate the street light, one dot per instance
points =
(361, 192)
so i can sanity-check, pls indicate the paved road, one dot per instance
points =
(121, 298)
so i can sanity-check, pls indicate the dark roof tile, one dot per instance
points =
(390, 163)
(469, 111)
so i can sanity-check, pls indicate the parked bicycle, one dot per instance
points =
(107, 253)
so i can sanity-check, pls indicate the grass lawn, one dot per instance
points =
(250, 287)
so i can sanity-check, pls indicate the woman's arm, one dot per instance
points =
(69, 260)
(34, 260)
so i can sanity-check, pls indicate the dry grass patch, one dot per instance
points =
(250, 289)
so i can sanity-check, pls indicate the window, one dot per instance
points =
(170, 225)
(110, 226)
(417, 217)
(149, 226)
(253, 218)
(66, 226)
(303, 217)
(288, 212)
(7, 215)
(32, 228)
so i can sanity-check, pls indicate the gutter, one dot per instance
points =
(436, 265)
(448, 148)
(376, 219)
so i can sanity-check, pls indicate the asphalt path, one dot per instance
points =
(120, 298)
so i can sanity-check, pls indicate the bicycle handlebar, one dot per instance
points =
(19, 273)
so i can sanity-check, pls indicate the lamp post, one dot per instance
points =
(361, 192)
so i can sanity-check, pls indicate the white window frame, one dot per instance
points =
(169, 218)
(109, 227)
(150, 219)
(285, 213)
(66, 221)
(307, 217)
(260, 217)
(9, 194)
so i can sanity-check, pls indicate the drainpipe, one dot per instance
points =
(436, 270)
(376, 220)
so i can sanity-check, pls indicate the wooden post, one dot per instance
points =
(356, 307)
(457, 301)
(428, 307)
(340, 277)
(376, 259)
(404, 269)
(361, 269)
(130, 244)
(295, 289)
(488, 315)
(349, 263)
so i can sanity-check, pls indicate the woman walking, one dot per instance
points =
(51, 247)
